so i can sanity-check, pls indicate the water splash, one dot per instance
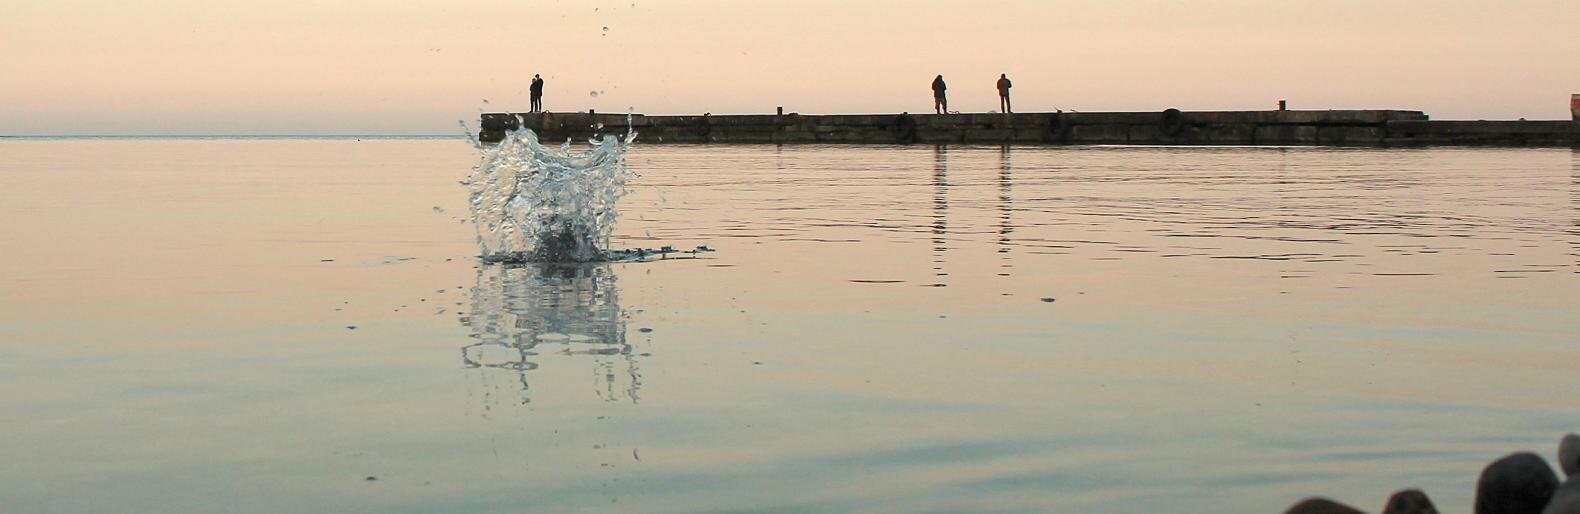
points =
(530, 203)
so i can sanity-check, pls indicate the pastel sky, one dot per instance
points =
(419, 66)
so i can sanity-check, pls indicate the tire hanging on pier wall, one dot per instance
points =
(701, 128)
(1173, 122)
(1057, 129)
(904, 128)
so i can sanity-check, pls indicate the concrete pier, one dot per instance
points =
(1169, 127)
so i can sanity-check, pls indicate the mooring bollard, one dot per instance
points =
(781, 110)
(1574, 106)
(1283, 105)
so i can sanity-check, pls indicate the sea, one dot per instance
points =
(303, 325)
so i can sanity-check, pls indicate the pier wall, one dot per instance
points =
(1170, 127)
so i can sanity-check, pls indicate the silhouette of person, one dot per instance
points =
(1003, 93)
(940, 102)
(537, 93)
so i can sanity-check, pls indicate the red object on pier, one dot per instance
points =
(1574, 106)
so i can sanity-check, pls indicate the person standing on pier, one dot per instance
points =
(1003, 93)
(940, 102)
(537, 93)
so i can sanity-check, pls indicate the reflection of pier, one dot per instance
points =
(526, 316)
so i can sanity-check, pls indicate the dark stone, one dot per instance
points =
(491, 136)
(1519, 483)
(1230, 134)
(1321, 506)
(1409, 501)
(500, 121)
(1566, 500)
(565, 244)
(1349, 135)
(1102, 133)
(1569, 455)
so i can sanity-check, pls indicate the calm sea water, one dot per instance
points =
(298, 325)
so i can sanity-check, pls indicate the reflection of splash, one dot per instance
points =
(524, 316)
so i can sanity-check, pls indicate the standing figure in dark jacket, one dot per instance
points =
(940, 102)
(537, 93)
(1003, 93)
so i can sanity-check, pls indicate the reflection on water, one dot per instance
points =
(556, 314)
(1283, 323)
(1006, 211)
(940, 213)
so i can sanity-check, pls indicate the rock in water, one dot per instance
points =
(1569, 455)
(1519, 483)
(1321, 506)
(1567, 499)
(1409, 501)
(564, 244)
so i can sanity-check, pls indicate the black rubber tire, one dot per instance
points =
(1173, 122)
(701, 127)
(904, 129)
(1057, 129)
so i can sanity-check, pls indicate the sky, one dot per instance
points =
(177, 67)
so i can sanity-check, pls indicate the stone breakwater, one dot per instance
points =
(1168, 127)
(1518, 483)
